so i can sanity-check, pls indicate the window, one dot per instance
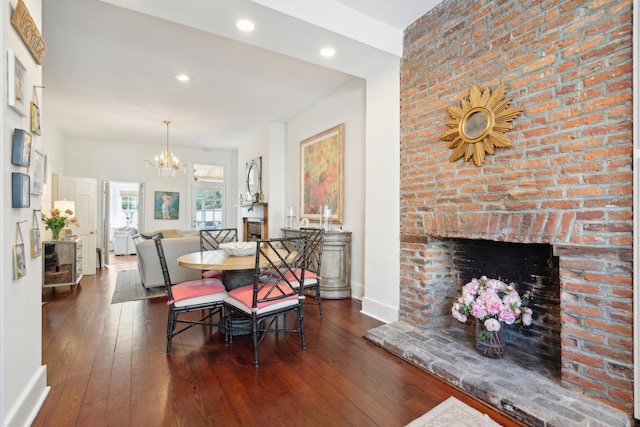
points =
(128, 208)
(129, 203)
(208, 173)
(208, 208)
(208, 196)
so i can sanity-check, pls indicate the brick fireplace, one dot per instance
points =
(566, 181)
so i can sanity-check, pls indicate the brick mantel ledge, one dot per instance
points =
(508, 226)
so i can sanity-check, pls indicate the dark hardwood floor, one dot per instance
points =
(107, 367)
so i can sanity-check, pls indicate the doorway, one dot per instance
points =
(123, 218)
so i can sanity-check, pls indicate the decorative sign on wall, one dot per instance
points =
(23, 23)
(480, 123)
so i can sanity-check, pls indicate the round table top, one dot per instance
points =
(216, 260)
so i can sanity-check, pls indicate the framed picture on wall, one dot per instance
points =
(36, 172)
(21, 148)
(19, 261)
(20, 191)
(16, 84)
(321, 174)
(166, 205)
(34, 236)
(35, 119)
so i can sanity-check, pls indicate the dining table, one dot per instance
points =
(236, 270)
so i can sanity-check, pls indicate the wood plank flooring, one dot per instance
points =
(107, 367)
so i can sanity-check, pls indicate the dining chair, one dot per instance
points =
(210, 240)
(313, 262)
(275, 291)
(205, 294)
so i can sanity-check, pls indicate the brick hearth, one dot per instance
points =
(530, 395)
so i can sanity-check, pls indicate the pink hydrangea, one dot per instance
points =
(492, 301)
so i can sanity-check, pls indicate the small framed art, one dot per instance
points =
(35, 119)
(21, 148)
(16, 84)
(36, 172)
(19, 261)
(34, 234)
(20, 191)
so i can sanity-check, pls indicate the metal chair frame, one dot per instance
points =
(272, 284)
(209, 309)
(210, 239)
(313, 261)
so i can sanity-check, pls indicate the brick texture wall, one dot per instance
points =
(566, 181)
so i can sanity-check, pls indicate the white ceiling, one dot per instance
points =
(110, 64)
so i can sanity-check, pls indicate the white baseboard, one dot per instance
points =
(378, 310)
(357, 291)
(30, 402)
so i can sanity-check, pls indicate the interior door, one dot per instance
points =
(84, 192)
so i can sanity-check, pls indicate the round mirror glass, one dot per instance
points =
(475, 124)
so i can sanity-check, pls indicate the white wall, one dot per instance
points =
(125, 162)
(382, 266)
(22, 376)
(347, 105)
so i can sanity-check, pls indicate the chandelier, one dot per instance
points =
(167, 163)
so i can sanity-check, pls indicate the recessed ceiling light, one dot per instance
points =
(182, 77)
(245, 25)
(327, 52)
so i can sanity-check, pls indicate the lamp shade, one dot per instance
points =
(63, 205)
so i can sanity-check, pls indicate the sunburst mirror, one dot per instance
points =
(480, 123)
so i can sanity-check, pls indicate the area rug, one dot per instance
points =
(453, 413)
(129, 288)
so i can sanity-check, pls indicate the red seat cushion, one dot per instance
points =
(196, 288)
(212, 274)
(244, 295)
(307, 275)
(289, 274)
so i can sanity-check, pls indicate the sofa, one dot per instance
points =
(122, 242)
(182, 243)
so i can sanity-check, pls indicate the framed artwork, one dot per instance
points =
(35, 119)
(35, 242)
(16, 84)
(166, 205)
(20, 191)
(21, 148)
(19, 262)
(321, 174)
(36, 172)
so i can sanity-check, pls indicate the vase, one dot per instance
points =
(489, 343)
(55, 234)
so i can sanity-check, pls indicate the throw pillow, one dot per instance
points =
(151, 236)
